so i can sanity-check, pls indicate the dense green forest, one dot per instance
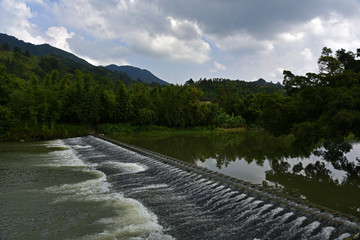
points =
(238, 88)
(39, 94)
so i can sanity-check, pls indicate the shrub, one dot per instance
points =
(226, 121)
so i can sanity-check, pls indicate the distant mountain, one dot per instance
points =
(261, 81)
(112, 72)
(40, 50)
(137, 73)
(212, 87)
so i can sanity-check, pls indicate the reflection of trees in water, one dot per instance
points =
(335, 154)
(331, 152)
(229, 147)
(225, 147)
(315, 181)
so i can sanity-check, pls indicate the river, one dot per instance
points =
(48, 192)
(87, 188)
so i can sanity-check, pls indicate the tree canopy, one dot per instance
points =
(45, 91)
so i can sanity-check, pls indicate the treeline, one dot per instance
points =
(328, 102)
(240, 88)
(80, 99)
(44, 92)
(324, 105)
(32, 98)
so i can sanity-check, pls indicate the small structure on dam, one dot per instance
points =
(195, 203)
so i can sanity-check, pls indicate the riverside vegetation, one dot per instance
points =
(46, 97)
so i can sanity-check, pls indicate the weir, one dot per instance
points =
(195, 203)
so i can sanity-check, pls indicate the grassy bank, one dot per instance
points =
(36, 132)
(128, 129)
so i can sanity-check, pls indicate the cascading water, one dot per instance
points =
(191, 203)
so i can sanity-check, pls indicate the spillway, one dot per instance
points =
(195, 203)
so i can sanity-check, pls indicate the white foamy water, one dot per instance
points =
(129, 220)
(81, 146)
(64, 157)
(150, 187)
(343, 236)
(128, 167)
(325, 233)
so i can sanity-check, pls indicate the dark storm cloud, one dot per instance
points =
(258, 18)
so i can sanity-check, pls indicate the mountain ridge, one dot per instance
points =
(41, 49)
(136, 74)
(46, 49)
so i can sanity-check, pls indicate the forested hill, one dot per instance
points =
(40, 50)
(24, 65)
(215, 87)
(71, 61)
(137, 74)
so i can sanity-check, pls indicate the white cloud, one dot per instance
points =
(277, 74)
(218, 67)
(182, 41)
(307, 53)
(299, 49)
(58, 36)
(106, 61)
(260, 19)
(86, 15)
(99, 53)
(184, 29)
(315, 26)
(335, 31)
(291, 37)
(342, 33)
(169, 47)
(41, 2)
(15, 20)
(138, 24)
(242, 43)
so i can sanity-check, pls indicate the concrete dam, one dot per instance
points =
(191, 202)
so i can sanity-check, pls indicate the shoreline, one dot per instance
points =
(39, 133)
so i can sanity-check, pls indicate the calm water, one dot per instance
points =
(48, 192)
(326, 176)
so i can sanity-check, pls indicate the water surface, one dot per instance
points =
(327, 176)
(48, 192)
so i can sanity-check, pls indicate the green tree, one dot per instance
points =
(139, 98)
(121, 113)
(6, 119)
(5, 87)
(171, 112)
(329, 65)
(108, 102)
(145, 117)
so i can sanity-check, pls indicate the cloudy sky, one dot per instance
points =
(182, 39)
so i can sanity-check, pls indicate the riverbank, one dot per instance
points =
(35, 132)
(24, 132)
(125, 129)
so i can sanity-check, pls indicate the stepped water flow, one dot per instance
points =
(195, 203)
